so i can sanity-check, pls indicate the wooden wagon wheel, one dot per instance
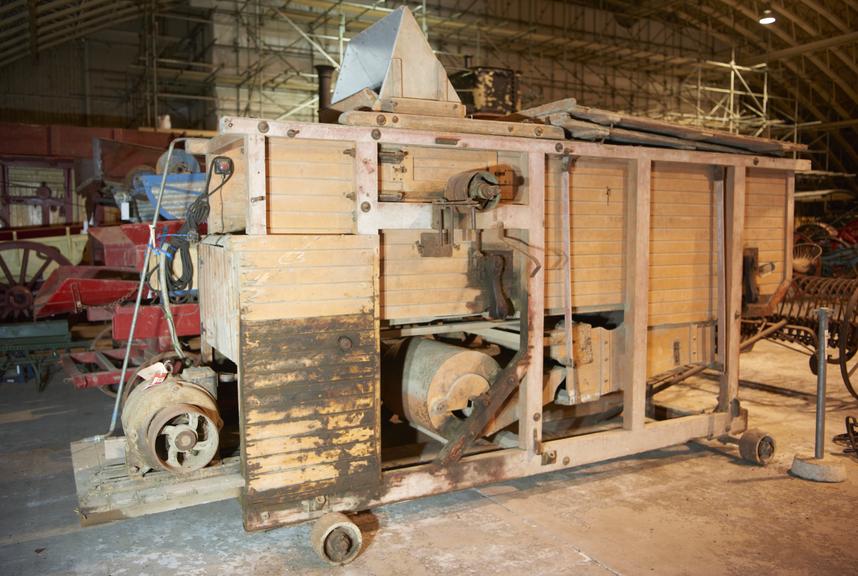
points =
(24, 267)
(848, 348)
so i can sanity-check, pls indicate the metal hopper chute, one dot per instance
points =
(391, 67)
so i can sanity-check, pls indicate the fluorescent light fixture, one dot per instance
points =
(767, 18)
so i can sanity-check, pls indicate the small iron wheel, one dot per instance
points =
(756, 447)
(336, 539)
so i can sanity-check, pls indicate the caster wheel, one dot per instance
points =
(336, 539)
(814, 364)
(757, 447)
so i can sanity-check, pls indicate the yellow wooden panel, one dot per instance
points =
(682, 247)
(310, 186)
(305, 276)
(765, 223)
(597, 208)
(219, 295)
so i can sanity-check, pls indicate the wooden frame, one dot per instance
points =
(533, 455)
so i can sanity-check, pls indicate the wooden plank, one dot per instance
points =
(364, 98)
(451, 125)
(641, 125)
(421, 107)
(255, 152)
(305, 434)
(463, 433)
(734, 214)
(565, 224)
(721, 266)
(106, 493)
(218, 295)
(530, 392)
(634, 356)
(315, 131)
(366, 186)
(558, 106)
(579, 129)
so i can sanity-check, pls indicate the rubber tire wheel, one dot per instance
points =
(336, 539)
(813, 362)
(757, 447)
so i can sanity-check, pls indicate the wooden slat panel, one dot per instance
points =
(305, 276)
(765, 223)
(310, 408)
(682, 248)
(218, 296)
(412, 285)
(597, 190)
(310, 186)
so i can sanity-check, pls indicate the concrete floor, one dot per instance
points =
(692, 509)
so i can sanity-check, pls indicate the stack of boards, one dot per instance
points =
(586, 123)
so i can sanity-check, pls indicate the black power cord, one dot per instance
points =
(195, 216)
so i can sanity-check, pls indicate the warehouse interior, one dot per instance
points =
(428, 287)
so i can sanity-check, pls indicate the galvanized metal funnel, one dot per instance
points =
(393, 59)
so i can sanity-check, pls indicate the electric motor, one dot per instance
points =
(171, 425)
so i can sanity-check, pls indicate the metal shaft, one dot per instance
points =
(144, 272)
(822, 357)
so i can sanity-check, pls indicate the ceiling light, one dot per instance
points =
(767, 18)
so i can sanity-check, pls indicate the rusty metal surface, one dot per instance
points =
(798, 316)
(171, 425)
(805, 296)
(439, 382)
(310, 407)
(488, 91)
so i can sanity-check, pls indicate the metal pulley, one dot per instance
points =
(170, 424)
(478, 186)
(439, 382)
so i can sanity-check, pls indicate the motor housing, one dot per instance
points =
(170, 424)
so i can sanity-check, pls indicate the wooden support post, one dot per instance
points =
(566, 234)
(721, 267)
(257, 185)
(636, 293)
(530, 392)
(789, 225)
(734, 210)
(366, 184)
